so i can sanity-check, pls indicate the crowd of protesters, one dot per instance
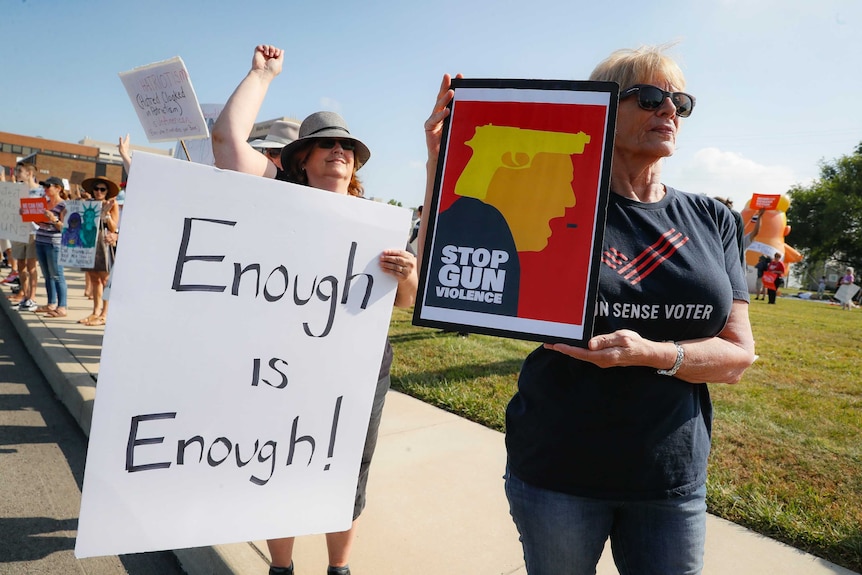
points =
(41, 252)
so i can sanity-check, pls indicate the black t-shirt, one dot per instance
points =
(670, 271)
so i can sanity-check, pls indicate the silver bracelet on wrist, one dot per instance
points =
(680, 355)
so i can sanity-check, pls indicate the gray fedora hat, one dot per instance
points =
(280, 134)
(324, 125)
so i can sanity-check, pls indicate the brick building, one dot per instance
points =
(73, 162)
(76, 162)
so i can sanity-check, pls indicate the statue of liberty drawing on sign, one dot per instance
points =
(80, 234)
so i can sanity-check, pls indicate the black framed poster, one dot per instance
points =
(515, 227)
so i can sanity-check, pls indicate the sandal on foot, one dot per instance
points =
(90, 317)
(96, 321)
(44, 309)
(56, 313)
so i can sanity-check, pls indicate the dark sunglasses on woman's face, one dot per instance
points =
(329, 143)
(99, 189)
(651, 98)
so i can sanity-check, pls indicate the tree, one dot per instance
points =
(826, 217)
(394, 203)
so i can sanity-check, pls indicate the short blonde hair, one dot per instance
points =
(628, 67)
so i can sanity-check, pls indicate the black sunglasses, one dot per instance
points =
(651, 98)
(329, 143)
(99, 189)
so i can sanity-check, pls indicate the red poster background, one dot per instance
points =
(33, 210)
(554, 281)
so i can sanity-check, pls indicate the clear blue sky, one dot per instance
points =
(777, 82)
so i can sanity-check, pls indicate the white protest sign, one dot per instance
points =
(201, 151)
(248, 323)
(846, 292)
(80, 233)
(11, 225)
(163, 96)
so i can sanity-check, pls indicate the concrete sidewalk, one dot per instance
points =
(436, 503)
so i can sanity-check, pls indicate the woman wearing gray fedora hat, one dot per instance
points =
(326, 156)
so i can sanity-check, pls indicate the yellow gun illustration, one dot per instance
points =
(504, 146)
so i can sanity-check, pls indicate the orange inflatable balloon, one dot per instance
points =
(773, 229)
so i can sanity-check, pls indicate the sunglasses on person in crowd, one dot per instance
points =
(100, 189)
(651, 98)
(273, 152)
(329, 143)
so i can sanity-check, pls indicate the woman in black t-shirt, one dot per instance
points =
(612, 441)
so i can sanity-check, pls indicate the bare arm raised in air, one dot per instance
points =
(125, 149)
(234, 124)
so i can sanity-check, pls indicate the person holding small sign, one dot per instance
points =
(777, 268)
(48, 249)
(611, 441)
(325, 156)
(25, 252)
(848, 279)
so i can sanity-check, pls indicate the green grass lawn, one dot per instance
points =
(787, 440)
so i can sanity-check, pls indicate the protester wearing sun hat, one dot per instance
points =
(113, 187)
(322, 130)
(281, 133)
(325, 125)
(325, 156)
(105, 190)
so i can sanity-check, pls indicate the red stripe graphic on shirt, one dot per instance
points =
(644, 264)
(613, 258)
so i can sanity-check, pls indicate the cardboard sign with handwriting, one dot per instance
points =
(165, 101)
(11, 225)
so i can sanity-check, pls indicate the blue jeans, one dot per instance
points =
(564, 535)
(55, 281)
